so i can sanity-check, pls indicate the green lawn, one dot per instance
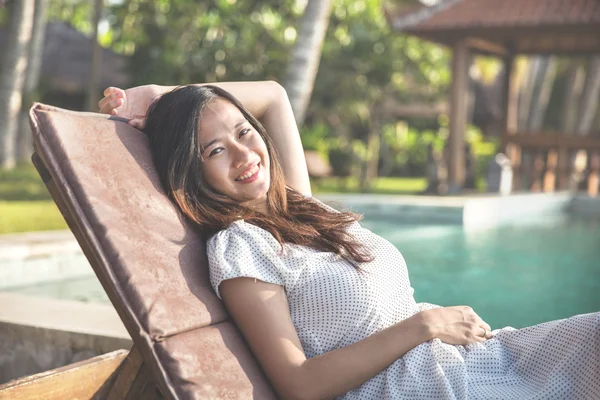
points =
(26, 205)
(382, 185)
(26, 216)
(22, 183)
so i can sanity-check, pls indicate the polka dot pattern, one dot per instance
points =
(333, 305)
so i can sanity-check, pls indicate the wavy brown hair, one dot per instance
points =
(172, 127)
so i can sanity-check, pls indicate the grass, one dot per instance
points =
(27, 216)
(26, 205)
(381, 185)
(22, 183)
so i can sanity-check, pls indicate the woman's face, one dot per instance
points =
(235, 162)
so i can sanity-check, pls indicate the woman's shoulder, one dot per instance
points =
(241, 231)
(236, 228)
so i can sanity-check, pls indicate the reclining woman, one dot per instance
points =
(325, 305)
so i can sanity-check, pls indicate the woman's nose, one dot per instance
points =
(242, 155)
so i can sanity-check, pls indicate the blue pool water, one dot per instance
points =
(516, 275)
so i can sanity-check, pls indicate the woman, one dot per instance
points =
(325, 305)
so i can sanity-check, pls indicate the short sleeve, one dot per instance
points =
(244, 250)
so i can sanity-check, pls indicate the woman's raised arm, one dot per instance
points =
(267, 101)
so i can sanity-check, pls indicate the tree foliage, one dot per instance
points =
(182, 41)
(363, 63)
(177, 42)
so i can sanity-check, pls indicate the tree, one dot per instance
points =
(546, 78)
(12, 77)
(96, 62)
(590, 97)
(364, 65)
(303, 67)
(526, 95)
(32, 77)
(179, 42)
(588, 107)
(573, 89)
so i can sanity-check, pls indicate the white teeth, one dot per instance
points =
(248, 174)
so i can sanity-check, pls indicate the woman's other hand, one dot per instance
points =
(456, 325)
(131, 103)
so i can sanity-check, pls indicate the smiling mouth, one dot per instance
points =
(249, 173)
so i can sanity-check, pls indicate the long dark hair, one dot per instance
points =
(172, 127)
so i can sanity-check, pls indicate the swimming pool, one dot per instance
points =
(516, 275)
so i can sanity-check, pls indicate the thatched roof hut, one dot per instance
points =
(67, 57)
(504, 28)
(501, 26)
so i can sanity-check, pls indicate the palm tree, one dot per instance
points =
(588, 107)
(94, 83)
(572, 93)
(12, 77)
(32, 78)
(546, 78)
(302, 71)
(590, 97)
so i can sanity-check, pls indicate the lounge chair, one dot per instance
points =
(150, 260)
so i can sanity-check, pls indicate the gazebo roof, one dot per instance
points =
(67, 56)
(496, 26)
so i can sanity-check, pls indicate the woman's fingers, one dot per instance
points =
(483, 324)
(102, 104)
(485, 331)
(486, 326)
(480, 339)
(111, 94)
(110, 102)
(112, 89)
(113, 98)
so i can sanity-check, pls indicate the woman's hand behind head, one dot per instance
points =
(131, 103)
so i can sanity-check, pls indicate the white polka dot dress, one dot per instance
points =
(333, 305)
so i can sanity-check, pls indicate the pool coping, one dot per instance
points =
(585, 206)
(90, 319)
(473, 212)
(19, 246)
(477, 211)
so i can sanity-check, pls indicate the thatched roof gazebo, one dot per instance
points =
(505, 28)
(67, 57)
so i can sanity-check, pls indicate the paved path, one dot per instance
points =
(19, 246)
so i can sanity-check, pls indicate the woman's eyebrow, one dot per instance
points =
(207, 145)
(203, 147)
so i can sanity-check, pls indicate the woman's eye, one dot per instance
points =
(215, 151)
(244, 131)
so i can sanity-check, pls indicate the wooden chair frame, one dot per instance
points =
(119, 375)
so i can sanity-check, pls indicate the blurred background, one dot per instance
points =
(372, 101)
